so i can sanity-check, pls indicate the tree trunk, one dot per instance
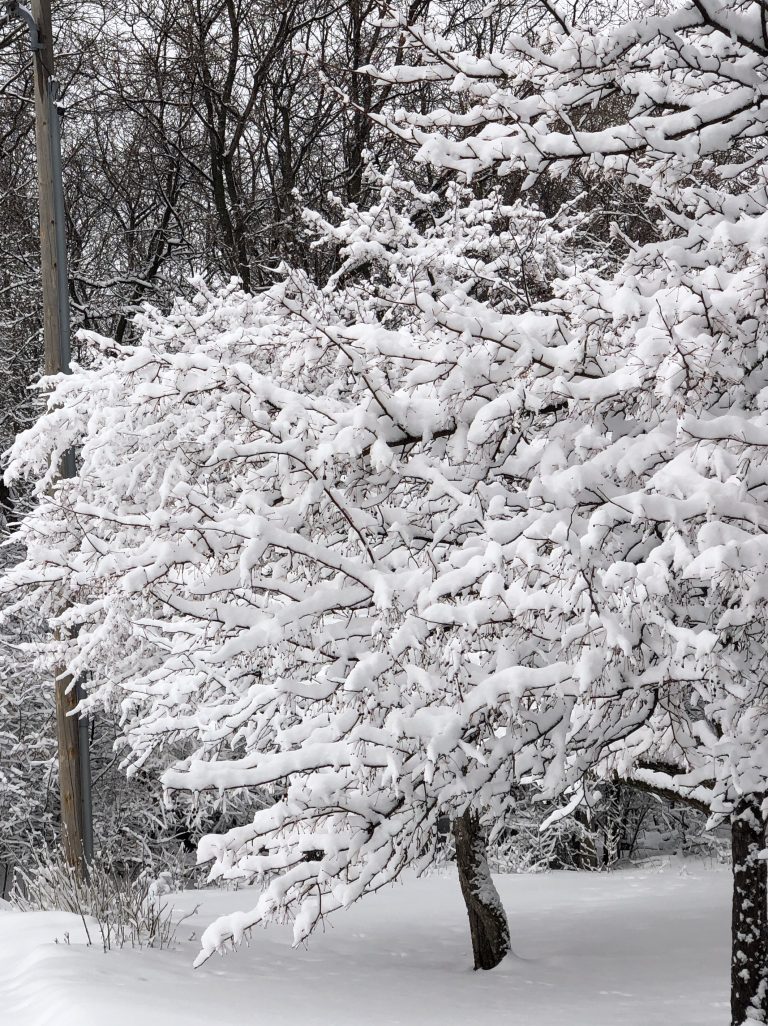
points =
(487, 919)
(749, 922)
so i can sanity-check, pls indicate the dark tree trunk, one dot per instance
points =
(487, 919)
(749, 922)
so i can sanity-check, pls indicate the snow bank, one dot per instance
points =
(631, 948)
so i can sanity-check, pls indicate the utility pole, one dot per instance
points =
(73, 742)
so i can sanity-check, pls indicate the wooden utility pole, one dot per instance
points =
(54, 275)
(74, 763)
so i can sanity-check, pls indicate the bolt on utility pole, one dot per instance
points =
(73, 742)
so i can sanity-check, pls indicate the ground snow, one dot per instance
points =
(610, 949)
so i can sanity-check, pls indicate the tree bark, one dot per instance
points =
(487, 920)
(749, 920)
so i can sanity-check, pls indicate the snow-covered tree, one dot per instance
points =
(300, 414)
(645, 552)
(487, 508)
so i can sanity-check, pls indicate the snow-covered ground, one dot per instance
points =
(631, 947)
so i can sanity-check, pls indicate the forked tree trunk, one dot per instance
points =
(487, 919)
(749, 920)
